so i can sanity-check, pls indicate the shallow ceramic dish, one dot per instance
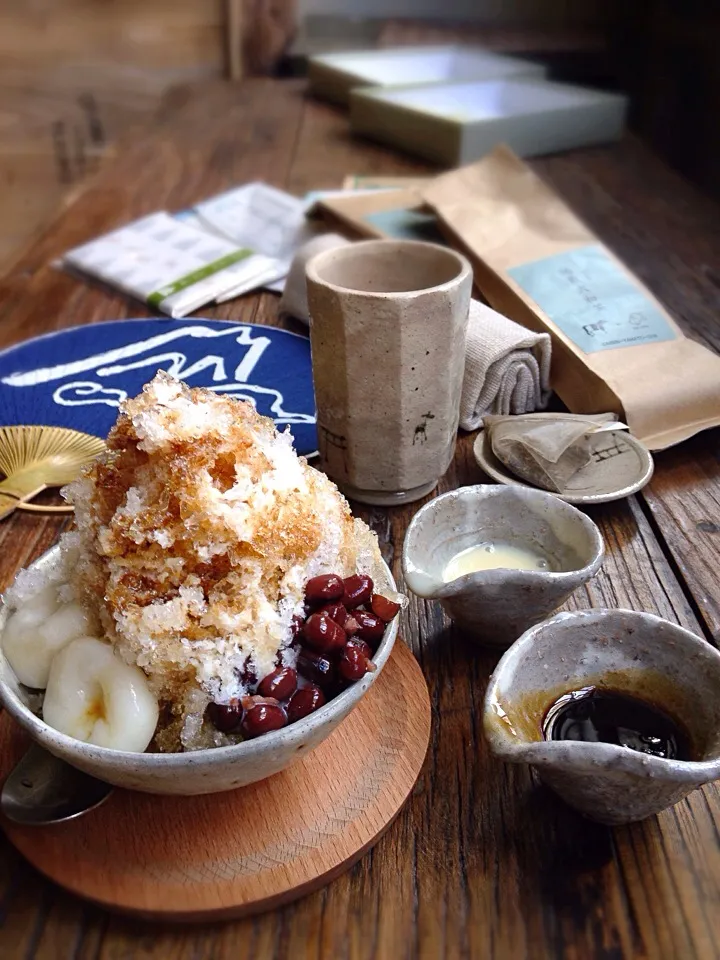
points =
(497, 605)
(620, 466)
(637, 653)
(202, 771)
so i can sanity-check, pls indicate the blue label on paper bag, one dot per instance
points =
(406, 224)
(592, 300)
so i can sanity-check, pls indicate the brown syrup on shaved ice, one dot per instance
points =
(196, 535)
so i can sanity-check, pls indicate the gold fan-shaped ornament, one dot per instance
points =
(35, 458)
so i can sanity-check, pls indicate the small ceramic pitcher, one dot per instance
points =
(389, 319)
(635, 653)
(495, 606)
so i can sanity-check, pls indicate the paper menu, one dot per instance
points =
(273, 278)
(169, 264)
(269, 220)
(256, 215)
(271, 272)
(191, 219)
(276, 286)
(224, 247)
(257, 271)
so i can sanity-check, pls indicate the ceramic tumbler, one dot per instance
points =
(388, 324)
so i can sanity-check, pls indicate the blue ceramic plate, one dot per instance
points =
(78, 377)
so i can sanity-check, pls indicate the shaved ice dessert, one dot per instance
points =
(215, 586)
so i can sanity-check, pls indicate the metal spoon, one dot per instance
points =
(43, 789)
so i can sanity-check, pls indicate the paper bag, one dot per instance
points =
(614, 346)
(360, 182)
(384, 213)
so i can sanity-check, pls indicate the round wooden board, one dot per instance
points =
(236, 853)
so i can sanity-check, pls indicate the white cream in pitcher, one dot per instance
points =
(490, 556)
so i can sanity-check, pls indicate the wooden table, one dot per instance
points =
(482, 862)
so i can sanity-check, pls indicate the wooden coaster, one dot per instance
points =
(236, 853)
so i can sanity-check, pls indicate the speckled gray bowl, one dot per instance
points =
(637, 653)
(202, 771)
(495, 606)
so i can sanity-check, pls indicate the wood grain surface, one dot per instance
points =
(248, 850)
(75, 77)
(482, 861)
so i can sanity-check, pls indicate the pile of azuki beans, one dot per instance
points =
(344, 623)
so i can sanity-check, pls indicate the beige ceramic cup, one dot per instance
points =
(388, 324)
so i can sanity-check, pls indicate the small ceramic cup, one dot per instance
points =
(389, 319)
(495, 606)
(635, 653)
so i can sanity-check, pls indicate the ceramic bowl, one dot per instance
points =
(202, 771)
(636, 653)
(495, 606)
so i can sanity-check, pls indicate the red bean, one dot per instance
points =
(370, 627)
(281, 683)
(365, 648)
(386, 609)
(296, 625)
(316, 668)
(303, 702)
(353, 664)
(225, 717)
(262, 718)
(336, 611)
(351, 626)
(358, 589)
(324, 589)
(323, 634)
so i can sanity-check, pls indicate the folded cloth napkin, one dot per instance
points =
(294, 302)
(507, 368)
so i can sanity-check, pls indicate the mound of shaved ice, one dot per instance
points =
(195, 535)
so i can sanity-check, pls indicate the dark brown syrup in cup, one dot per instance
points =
(600, 715)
